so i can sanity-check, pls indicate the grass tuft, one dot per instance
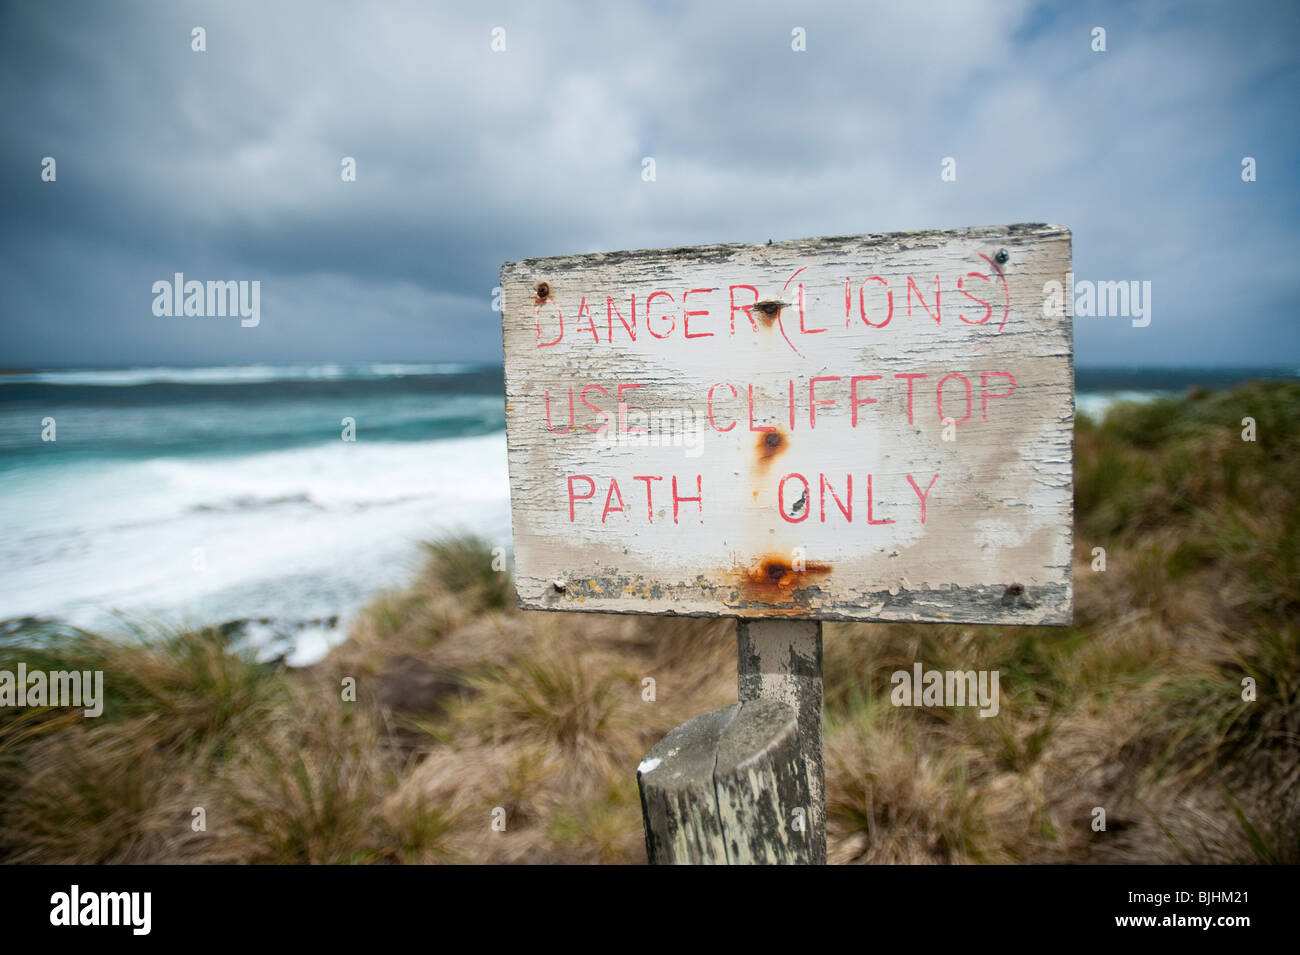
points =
(1173, 703)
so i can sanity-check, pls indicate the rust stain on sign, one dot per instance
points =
(873, 427)
(769, 310)
(769, 445)
(774, 580)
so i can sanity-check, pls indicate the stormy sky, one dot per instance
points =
(225, 164)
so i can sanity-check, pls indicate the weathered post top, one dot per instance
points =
(872, 427)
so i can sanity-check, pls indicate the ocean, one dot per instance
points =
(226, 495)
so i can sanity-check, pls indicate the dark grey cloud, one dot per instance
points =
(225, 164)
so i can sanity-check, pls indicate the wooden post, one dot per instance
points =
(782, 660)
(722, 789)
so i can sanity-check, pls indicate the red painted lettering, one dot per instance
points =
(965, 381)
(800, 506)
(551, 428)
(610, 495)
(649, 502)
(624, 408)
(911, 380)
(699, 499)
(611, 311)
(846, 511)
(713, 423)
(766, 427)
(591, 492)
(686, 316)
(988, 309)
(538, 315)
(1006, 293)
(802, 329)
(862, 302)
(747, 309)
(854, 400)
(920, 495)
(984, 388)
(870, 516)
(672, 317)
(585, 310)
(604, 415)
(911, 287)
(814, 401)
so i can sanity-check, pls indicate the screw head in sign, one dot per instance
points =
(1002, 256)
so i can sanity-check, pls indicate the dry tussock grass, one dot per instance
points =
(467, 709)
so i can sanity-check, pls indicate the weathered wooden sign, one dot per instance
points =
(873, 427)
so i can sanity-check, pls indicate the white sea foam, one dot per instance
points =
(1095, 404)
(231, 374)
(296, 534)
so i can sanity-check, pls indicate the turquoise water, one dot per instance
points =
(217, 495)
(210, 495)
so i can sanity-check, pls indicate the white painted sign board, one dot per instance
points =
(874, 427)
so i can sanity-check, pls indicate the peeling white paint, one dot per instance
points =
(1000, 512)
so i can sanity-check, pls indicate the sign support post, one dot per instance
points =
(782, 660)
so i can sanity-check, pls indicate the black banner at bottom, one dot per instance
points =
(915, 905)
